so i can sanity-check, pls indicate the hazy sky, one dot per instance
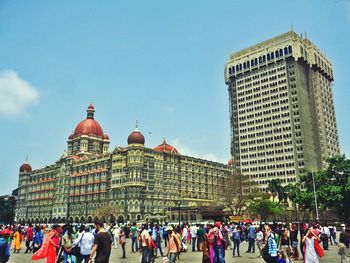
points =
(160, 62)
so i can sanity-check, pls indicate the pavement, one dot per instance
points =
(331, 256)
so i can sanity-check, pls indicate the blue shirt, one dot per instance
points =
(251, 232)
(4, 250)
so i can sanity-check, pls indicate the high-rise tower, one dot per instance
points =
(281, 109)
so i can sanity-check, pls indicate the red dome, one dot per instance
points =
(89, 126)
(230, 162)
(164, 147)
(71, 136)
(25, 168)
(136, 137)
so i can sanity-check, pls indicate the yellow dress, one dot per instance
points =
(17, 240)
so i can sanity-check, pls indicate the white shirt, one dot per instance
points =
(184, 233)
(116, 232)
(193, 231)
(86, 241)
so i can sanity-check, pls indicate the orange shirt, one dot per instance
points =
(174, 243)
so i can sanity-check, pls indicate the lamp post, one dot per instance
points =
(179, 206)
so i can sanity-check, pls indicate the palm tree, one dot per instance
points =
(276, 189)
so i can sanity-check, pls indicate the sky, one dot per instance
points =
(158, 62)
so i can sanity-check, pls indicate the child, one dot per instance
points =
(281, 258)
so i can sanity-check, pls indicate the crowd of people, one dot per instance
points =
(277, 242)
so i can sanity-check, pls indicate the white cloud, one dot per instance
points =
(185, 150)
(16, 94)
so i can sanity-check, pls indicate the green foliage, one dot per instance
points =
(276, 189)
(332, 188)
(266, 208)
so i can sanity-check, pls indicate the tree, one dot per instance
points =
(237, 193)
(267, 208)
(107, 211)
(276, 189)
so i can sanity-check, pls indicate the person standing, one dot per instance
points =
(193, 233)
(145, 243)
(272, 247)
(67, 244)
(116, 234)
(85, 240)
(17, 240)
(122, 241)
(236, 236)
(4, 246)
(251, 239)
(158, 241)
(134, 234)
(38, 238)
(102, 244)
(200, 238)
(49, 248)
(294, 242)
(174, 245)
(184, 233)
(312, 247)
(344, 246)
(285, 247)
(29, 238)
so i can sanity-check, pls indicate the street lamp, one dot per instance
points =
(179, 204)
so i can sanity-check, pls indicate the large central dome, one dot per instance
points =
(89, 126)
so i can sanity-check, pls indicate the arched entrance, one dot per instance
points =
(120, 219)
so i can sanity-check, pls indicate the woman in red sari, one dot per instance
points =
(48, 250)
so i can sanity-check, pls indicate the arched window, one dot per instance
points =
(285, 51)
(268, 56)
(233, 70)
(244, 65)
(272, 55)
(252, 62)
(256, 61)
(264, 58)
(260, 60)
(240, 66)
(289, 49)
(248, 64)
(229, 71)
(237, 67)
(277, 54)
(281, 53)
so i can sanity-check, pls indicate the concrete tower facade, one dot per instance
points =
(281, 109)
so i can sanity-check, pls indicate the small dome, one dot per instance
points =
(105, 136)
(71, 136)
(164, 147)
(136, 137)
(230, 162)
(26, 168)
(91, 107)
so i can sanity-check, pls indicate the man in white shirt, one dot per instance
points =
(193, 233)
(85, 241)
(116, 232)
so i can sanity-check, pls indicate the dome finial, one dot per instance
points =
(90, 111)
(26, 158)
(136, 125)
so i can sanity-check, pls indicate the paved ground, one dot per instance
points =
(191, 257)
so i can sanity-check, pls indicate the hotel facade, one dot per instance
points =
(135, 183)
(281, 109)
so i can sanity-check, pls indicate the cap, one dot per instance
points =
(169, 228)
